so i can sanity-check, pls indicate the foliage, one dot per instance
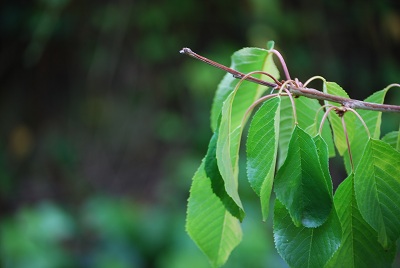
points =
(313, 227)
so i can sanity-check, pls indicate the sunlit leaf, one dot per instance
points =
(245, 60)
(300, 183)
(359, 246)
(232, 117)
(262, 145)
(209, 223)
(305, 247)
(377, 188)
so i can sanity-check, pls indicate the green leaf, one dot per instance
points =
(209, 223)
(359, 246)
(262, 145)
(393, 139)
(217, 182)
(336, 121)
(306, 109)
(305, 247)
(372, 120)
(301, 184)
(227, 151)
(245, 60)
(377, 187)
(232, 117)
(323, 157)
(286, 126)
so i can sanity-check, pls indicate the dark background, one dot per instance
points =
(103, 122)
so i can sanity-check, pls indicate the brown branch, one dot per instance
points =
(301, 91)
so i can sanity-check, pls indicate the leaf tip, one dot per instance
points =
(270, 45)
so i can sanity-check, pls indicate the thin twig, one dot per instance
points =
(301, 91)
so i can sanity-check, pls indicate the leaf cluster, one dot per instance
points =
(288, 147)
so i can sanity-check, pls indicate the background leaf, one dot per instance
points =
(305, 247)
(359, 246)
(262, 146)
(377, 188)
(336, 123)
(372, 120)
(300, 183)
(392, 138)
(210, 225)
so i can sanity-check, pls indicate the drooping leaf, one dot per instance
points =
(209, 223)
(227, 151)
(305, 247)
(300, 183)
(286, 126)
(377, 188)
(359, 246)
(262, 145)
(217, 183)
(232, 117)
(392, 138)
(245, 60)
(336, 122)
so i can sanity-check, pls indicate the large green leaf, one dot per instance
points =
(245, 60)
(262, 145)
(301, 183)
(209, 223)
(305, 247)
(336, 121)
(359, 246)
(377, 187)
(232, 117)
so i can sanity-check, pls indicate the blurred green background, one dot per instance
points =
(103, 122)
